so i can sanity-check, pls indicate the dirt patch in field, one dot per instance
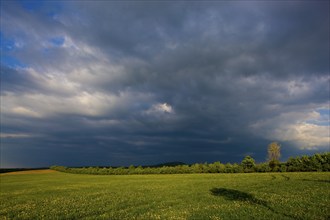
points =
(28, 172)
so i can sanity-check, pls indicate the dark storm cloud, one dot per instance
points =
(149, 82)
(15, 80)
(271, 32)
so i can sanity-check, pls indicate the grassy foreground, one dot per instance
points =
(55, 195)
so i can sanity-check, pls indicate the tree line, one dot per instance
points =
(317, 162)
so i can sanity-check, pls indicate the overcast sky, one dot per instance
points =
(144, 82)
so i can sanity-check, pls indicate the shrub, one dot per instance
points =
(248, 164)
(317, 162)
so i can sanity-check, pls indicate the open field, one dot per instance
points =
(55, 195)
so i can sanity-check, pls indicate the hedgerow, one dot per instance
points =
(316, 162)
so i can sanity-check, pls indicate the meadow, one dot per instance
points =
(50, 194)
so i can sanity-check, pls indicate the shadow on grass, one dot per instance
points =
(236, 195)
(285, 177)
(320, 181)
(232, 194)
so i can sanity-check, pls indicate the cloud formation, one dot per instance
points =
(124, 83)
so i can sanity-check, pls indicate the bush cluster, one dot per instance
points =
(317, 162)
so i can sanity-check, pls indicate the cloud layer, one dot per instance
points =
(119, 83)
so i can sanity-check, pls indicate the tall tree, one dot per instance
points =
(274, 151)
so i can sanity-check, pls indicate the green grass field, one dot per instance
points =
(55, 195)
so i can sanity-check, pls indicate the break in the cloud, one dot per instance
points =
(119, 83)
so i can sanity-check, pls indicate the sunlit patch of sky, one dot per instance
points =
(12, 62)
(323, 120)
(324, 111)
(6, 44)
(50, 9)
(57, 41)
(7, 47)
(31, 5)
